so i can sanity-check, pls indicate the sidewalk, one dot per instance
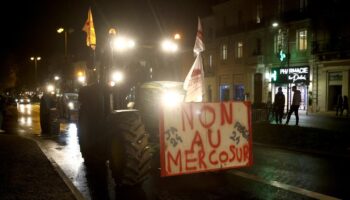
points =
(26, 173)
(321, 133)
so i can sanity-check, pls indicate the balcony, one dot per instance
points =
(331, 49)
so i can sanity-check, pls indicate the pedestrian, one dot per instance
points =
(279, 106)
(295, 105)
(339, 108)
(345, 106)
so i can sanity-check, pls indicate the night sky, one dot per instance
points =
(29, 27)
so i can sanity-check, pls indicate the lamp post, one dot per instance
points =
(36, 59)
(62, 30)
(282, 56)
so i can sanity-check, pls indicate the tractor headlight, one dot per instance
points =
(71, 105)
(172, 98)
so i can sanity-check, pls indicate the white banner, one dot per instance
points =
(198, 137)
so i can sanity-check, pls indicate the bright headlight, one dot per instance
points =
(172, 98)
(71, 105)
(117, 77)
(21, 100)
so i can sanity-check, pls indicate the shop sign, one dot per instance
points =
(290, 75)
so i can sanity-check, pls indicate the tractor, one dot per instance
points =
(118, 123)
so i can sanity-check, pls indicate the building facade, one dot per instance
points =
(248, 42)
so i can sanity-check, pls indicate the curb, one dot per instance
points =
(76, 193)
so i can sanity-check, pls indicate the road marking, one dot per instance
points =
(284, 186)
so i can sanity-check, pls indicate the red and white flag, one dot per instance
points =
(194, 82)
(199, 45)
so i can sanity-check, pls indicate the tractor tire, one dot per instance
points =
(130, 155)
(92, 136)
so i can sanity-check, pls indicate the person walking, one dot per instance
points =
(345, 106)
(295, 105)
(279, 106)
(339, 108)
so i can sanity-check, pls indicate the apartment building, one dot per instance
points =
(253, 47)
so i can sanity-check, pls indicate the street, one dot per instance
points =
(276, 173)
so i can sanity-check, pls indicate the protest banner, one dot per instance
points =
(200, 137)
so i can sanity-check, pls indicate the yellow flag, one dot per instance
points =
(90, 31)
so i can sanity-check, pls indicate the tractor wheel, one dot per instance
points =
(130, 156)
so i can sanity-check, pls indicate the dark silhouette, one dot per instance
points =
(339, 108)
(46, 103)
(279, 106)
(345, 106)
(295, 105)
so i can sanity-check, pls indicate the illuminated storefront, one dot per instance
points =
(286, 77)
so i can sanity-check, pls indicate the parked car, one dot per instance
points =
(68, 105)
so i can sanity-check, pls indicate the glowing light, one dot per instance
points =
(50, 88)
(169, 46)
(60, 30)
(117, 76)
(122, 43)
(172, 99)
(177, 36)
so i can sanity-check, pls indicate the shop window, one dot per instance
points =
(224, 92)
(239, 92)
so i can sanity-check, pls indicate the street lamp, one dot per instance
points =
(62, 30)
(36, 59)
(81, 77)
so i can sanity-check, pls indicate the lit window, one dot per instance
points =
(239, 49)
(280, 41)
(302, 40)
(210, 61)
(224, 52)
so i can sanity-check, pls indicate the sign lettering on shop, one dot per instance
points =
(198, 137)
(291, 75)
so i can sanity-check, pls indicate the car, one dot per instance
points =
(24, 100)
(68, 105)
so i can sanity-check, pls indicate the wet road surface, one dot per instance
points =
(276, 173)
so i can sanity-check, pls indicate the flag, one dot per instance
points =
(194, 82)
(90, 31)
(199, 45)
